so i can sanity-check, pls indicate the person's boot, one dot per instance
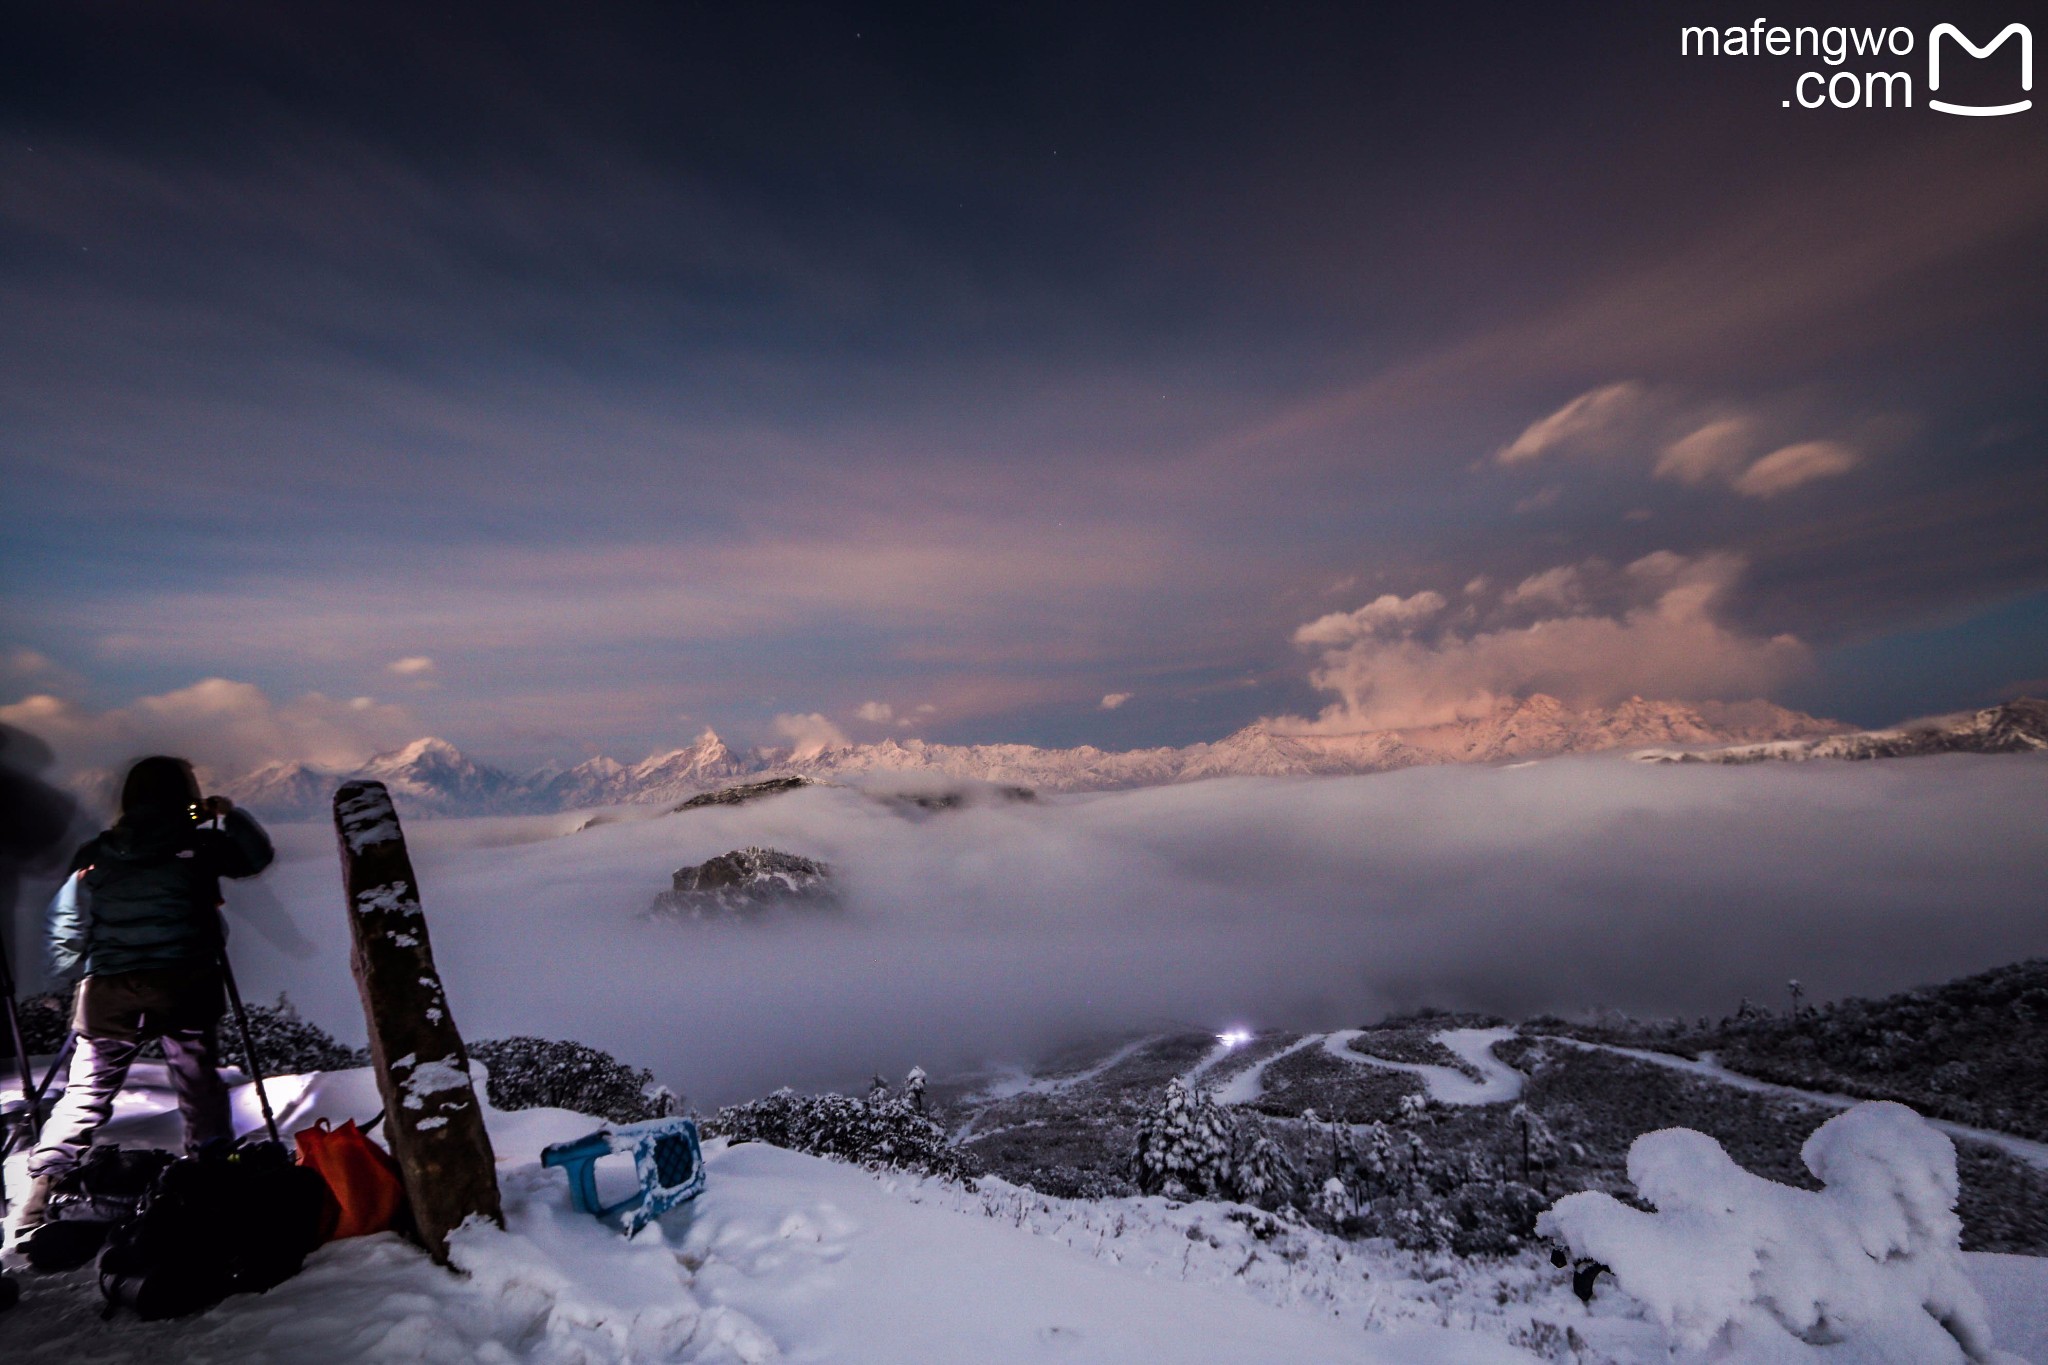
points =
(35, 1208)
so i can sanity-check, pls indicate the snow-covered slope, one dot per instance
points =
(789, 1257)
(2014, 728)
(430, 776)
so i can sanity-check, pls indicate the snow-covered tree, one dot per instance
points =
(1184, 1147)
(1334, 1201)
(913, 1089)
(1264, 1176)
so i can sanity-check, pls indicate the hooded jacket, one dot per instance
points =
(146, 894)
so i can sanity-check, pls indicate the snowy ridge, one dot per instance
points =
(2017, 727)
(433, 777)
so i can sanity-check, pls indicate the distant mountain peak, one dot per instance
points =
(432, 776)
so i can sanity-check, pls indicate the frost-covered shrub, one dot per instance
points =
(1185, 1148)
(44, 1022)
(287, 1045)
(548, 1073)
(876, 1133)
(1731, 1262)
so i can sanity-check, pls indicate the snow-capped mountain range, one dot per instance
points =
(433, 777)
(2017, 727)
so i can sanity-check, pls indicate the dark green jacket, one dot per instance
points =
(147, 893)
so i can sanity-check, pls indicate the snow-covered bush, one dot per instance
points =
(1185, 1147)
(875, 1133)
(548, 1073)
(1738, 1267)
(1393, 1182)
(286, 1044)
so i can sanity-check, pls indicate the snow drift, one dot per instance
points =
(1736, 1267)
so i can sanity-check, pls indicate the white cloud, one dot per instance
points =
(1658, 634)
(809, 734)
(1384, 613)
(1786, 469)
(1717, 450)
(1114, 700)
(1558, 587)
(23, 663)
(1695, 445)
(875, 712)
(1592, 420)
(413, 666)
(220, 724)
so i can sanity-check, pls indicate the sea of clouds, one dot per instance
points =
(1004, 931)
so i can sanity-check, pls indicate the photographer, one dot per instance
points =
(139, 918)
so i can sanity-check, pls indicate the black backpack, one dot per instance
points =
(89, 1201)
(230, 1220)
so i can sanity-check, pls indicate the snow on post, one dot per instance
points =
(1745, 1268)
(433, 1120)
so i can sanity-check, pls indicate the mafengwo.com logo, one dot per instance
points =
(1855, 57)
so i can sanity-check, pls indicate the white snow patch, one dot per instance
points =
(428, 1079)
(392, 898)
(367, 818)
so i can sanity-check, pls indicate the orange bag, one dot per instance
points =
(362, 1176)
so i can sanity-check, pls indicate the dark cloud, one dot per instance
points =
(660, 358)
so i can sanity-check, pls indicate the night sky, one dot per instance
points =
(563, 379)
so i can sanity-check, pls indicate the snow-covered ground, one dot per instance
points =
(787, 1257)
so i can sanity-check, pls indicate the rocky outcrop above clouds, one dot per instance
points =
(745, 882)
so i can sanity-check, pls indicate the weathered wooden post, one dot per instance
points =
(433, 1120)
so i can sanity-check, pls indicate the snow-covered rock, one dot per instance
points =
(746, 881)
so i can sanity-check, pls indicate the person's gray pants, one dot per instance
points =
(115, 1016)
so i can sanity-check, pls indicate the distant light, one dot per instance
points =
(1234, 1037)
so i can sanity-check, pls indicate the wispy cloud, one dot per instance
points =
(1788, 468)
(1596, 420)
